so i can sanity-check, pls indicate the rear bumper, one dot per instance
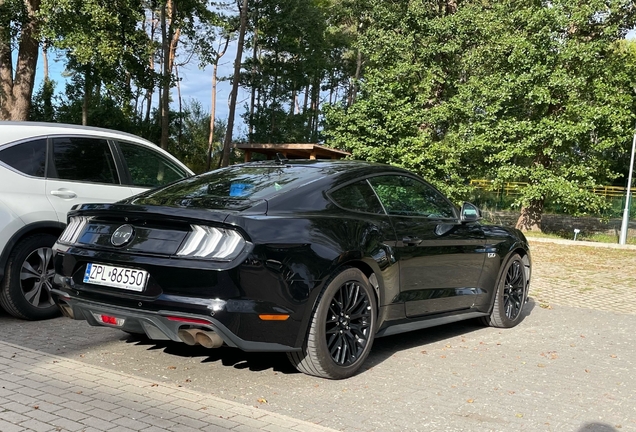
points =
(160, 325)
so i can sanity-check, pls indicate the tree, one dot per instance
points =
(227, 142)
(299, 52)
(42, 107)
(103, 43)
(211, 40)
(19, 27)
(195, 149)
(525, 91)
(410, 73)
(547, 101)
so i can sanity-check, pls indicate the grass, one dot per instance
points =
(599, 238)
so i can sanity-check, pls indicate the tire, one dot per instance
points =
(343, 321)
(510, 298)
(25, 291)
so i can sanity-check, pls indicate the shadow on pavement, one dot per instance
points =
(231, 357)
(597, 427)
(383, 348)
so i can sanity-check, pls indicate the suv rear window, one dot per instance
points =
(149, 168)
(84, 159)
(29, 158)
(235, 187)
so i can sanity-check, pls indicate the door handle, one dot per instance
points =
(64, 193)
(411, 241)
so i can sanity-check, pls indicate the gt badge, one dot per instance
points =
(122, 235)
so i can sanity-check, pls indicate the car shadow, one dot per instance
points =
(383, 348)
(226, 356)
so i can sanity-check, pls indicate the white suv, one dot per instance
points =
(45, 169)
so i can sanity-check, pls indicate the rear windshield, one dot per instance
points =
(235, 188)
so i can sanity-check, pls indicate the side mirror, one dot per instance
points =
(470, 213)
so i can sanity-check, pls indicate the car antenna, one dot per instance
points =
(280, 159)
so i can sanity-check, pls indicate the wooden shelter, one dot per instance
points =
(291, 151)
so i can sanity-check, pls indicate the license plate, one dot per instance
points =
(116, 277)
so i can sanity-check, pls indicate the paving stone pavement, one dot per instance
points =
(584, 274)
(43, 392)
(564, 368)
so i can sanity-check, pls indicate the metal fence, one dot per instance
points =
(514, 189)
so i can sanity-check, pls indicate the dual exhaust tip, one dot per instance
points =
(206, 338)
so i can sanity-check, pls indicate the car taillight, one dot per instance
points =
(212, 243)
(73, 229)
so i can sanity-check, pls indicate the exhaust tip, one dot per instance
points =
(209, 339)
(206, 338)
(66, 310)
(188, 336)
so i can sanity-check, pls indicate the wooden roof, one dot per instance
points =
(291, 151)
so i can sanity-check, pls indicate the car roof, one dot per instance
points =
(340, 169)
(13, 131)
(329, 166)
(18, 130)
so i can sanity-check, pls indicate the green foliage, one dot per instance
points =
(299, 53)
(191, 146)
(13, 15)
(508, 90)
(42, 106)
(105, 110)
(101, 40)
(546, 102)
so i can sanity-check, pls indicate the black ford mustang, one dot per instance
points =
(311, 258)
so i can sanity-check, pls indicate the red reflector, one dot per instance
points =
(109, 319)
(188, 320)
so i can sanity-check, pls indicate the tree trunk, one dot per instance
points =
(530, 218)
(331, 87)
(6, 70)
(180, 133)
(225, 160)
(45, 61)
(165, 80)
(16, 91)
(212, 114)
(87, 96)
(307, 118)
(353, 89)
(253, 95)
(150, 89)
(215, 67)
(170, 39)
(292, 108)
(315, 105)
(272, 125)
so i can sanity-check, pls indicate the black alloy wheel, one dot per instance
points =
(514, 290)
(348, 324)
(26, 289)
(510, 298)
(342, 328)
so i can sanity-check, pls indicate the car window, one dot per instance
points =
(84, 159)
(234, 187)
(29, 157)
(149, 168)
(407, 196)
(357, 197)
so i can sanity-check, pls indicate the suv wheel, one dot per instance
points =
(26, 289)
